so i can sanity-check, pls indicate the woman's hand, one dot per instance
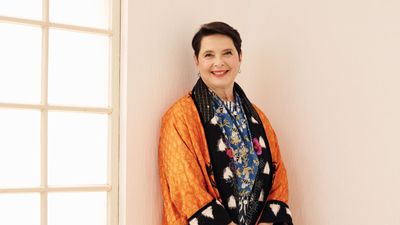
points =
(232, 223)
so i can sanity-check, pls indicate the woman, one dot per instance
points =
(218, 154)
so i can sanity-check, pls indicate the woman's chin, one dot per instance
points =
(222, 84)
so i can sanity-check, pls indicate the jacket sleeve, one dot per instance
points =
(276, 209)
(186, 200)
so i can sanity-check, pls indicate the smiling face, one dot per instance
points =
(218, 63)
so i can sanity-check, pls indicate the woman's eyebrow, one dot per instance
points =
(208, 51)
(228, 49)
(211, 51)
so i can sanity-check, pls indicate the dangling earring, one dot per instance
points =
(198, 74)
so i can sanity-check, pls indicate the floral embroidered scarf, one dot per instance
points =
(237, 139)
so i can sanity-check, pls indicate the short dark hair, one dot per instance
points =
(216, 28)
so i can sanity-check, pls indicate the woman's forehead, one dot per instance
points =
(216, 43)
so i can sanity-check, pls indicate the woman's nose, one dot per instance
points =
(218, 62)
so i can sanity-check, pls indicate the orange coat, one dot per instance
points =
(183, 159)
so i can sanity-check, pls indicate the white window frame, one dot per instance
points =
(113, 111)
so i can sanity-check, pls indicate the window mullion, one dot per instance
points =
(44, 114)
(113, 149)
(75, 188)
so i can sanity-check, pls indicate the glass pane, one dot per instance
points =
(77, 148)
(20, 209)
(20, 63)
(19, 148)
(29, 9)
(90, 13)
(77, 208)
(78, 68)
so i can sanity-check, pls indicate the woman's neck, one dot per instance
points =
(225, 94)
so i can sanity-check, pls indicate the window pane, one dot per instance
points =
(19, 148)
(91, 13)
(20, 63)
(77, 208)
(78, 68)
(20, 209)
(77, 148)
(29, 9)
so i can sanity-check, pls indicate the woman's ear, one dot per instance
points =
(196, 60)
(240, 56)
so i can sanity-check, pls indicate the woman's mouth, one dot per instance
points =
(219, 73)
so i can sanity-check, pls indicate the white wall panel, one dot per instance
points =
(325, 72)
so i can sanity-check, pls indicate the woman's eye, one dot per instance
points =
(228, 53)
(207, 55)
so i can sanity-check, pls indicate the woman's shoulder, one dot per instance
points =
(263, 116)
(259, 110)
(180, 107)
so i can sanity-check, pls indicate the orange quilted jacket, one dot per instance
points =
(183, 158)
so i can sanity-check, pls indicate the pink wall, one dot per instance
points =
(326, 73)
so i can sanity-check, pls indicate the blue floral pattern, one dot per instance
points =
(238, 141)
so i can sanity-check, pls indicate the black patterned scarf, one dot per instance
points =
(220, 166)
